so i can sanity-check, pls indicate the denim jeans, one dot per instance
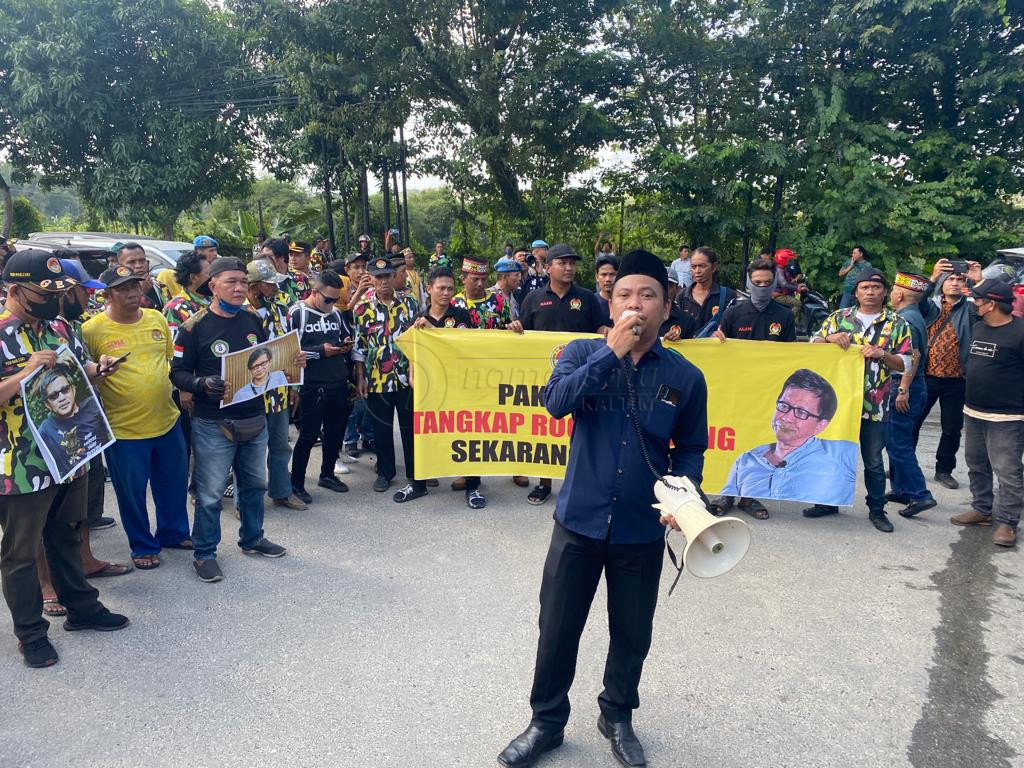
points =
(995, 448)
(215, 456)
(905, 473)
(161, 464)
(279, 453)
(359, 423)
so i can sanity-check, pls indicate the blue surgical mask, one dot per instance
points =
(231, 309)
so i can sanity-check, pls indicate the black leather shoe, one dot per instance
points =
(526, 748)
(946, 479)
(625, 745)
(881, 522)
(920, 505)
(897, 498)
(820, 510)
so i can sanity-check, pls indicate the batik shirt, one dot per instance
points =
(890, 332)
(287, 291)
(318, 261)
(274, 315)
(377, 327)
(181, 308)
(22, 468)
(303, 286)
(492, 311)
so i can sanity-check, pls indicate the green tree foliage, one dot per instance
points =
(142, 105)
(26, 218)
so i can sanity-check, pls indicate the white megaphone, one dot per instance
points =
(713, 544)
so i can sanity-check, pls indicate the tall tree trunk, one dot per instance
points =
(773, 232)
(168, 228)
(8, 208)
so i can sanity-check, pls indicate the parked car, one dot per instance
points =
(163, 254)
(1009, 264)
(92, 257)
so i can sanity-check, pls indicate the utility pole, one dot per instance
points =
(405, 191)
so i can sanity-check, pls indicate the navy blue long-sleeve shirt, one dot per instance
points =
(608, 486)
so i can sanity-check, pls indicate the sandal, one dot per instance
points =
(754, 508)
(539, 494)
(229, 492)
(146, 562)
(720, 507)
(186, 544)
(51, 607)
(109, 569)
(475, 500)
(409, 493)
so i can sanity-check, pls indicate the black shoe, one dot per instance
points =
(100, 523)
(104, 621)
(208, 570)
(381, 484)
(526, 748)
(366, 445)
(475, 500)
(625, 745)
(946, 479)
(820, 510)
(265, 547)
(881, 522)
(409, 493)
(331, 483)
(918, 506)
(351, 449)
(39, 653)
(303, 494)
(432, 483)
(898, 498)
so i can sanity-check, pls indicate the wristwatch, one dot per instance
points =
(903, 390)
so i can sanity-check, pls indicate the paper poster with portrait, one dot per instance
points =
(65, 416)
(261, 368)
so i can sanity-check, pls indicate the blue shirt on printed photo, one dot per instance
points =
(819, 471)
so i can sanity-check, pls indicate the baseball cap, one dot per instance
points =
(562, 251)
(75, 270)
(38, 267)
(116, 276)
(260, 271)
(226, 264)
(870, 276)
(505, 264)
(993, 290)
(380, 267)
(356, 256)
(538, 244)
(204, 241)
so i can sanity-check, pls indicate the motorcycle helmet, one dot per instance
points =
(783, 256)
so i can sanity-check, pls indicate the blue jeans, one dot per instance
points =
(215, 455)
(161, 463)
(905, 473)
(872, 442)
(279, 453)
(361, 420)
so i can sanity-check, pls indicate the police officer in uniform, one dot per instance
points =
(616, 389)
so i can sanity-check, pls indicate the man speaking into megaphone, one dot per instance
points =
(639, 412)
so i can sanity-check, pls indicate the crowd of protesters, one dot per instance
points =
(152, 346)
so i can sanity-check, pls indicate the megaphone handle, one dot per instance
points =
(677, 563)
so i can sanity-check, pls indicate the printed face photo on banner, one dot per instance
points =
(65, 416)
(260, 369)
(784, 424)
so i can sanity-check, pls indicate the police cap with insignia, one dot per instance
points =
(37, 267)
(380, 267)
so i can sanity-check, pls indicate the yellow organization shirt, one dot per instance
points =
(137, 399)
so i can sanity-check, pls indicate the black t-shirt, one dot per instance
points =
(995, 368)
(201, 342)
(576, 312)
(745, 321)
(718, 298)
(679, 319)
(454, 317)
(315, 330)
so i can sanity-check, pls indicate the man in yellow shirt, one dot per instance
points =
(150, 448)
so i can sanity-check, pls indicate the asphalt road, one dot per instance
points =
(405, 635)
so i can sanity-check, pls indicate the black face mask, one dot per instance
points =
(47, 309)
(72, 308)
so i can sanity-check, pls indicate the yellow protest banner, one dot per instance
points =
(783, 419)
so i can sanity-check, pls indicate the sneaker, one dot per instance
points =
(348, 458)
(381, 484)
(39, 653)
(104, 621)
(408, 493)
(100, 523)
(208, 570)
(366, 445)
(881, 522)
(475, 500)
(300, 493)
(292, 502)
(265, 547)
(820, 510)
(351, 450)
(341, 468)
(331, 483)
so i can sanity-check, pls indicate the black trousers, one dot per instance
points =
(949, 393)
(323, 407)
(571, 574)
(53, 516)
(96, 480)
(382, 407)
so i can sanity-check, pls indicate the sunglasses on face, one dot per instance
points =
(328, 299)
(59, 393)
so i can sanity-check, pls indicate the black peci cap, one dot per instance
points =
(640, 262)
